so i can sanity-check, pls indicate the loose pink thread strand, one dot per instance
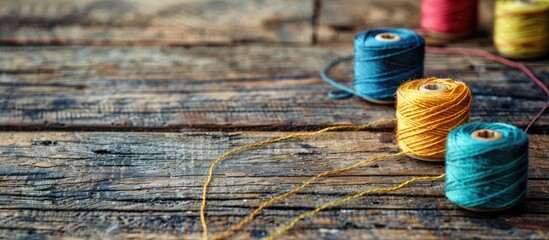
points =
(491, 56)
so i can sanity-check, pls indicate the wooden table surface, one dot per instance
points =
(112, 111)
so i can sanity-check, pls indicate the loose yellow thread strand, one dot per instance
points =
(344, 200)
(248, 146)
(273, 200)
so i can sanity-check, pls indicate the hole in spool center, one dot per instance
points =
(432, 87)
(486, 135)
(387, 37)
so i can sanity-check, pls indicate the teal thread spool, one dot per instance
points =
(486, 166)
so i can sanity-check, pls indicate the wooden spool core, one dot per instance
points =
(430, 88)
(486, 135)
(387, 37)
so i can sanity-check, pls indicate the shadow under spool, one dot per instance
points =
(429, 88)
(518, 57)
(486, 135)
(448, 36)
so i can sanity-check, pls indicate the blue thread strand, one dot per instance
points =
(380, 67)
(486, 174)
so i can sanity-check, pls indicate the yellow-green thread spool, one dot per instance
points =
(521, 28)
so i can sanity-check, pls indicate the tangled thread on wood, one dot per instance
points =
(248, 146)
(295, 190)
(347, 199)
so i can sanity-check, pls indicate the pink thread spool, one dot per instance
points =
(449, 19)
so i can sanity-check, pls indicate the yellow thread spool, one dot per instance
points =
(429, 88)
(427, 109)
(521, 28)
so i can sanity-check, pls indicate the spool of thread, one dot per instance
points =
(384, 58)
(486, 166)
(427, 109)
(521, 28)
(449, 19)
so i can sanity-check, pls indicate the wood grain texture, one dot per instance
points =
(162, 22)
(246, 68)
(340, 20)
(92, 185)
(244, 87)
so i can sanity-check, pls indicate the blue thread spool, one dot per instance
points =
(384, 58)
(486, 166)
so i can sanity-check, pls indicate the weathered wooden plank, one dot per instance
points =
(163, 22)
(340, 20)
(148, 185)
(256, 87)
